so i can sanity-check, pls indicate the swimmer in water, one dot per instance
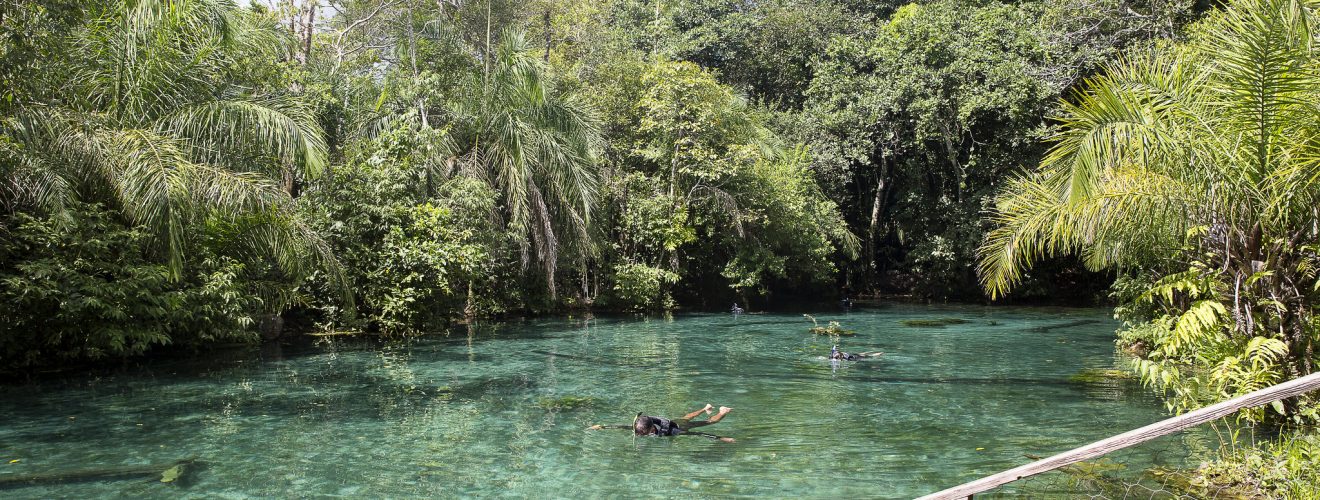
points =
(836, 354)
(656, 426)
(736, 309)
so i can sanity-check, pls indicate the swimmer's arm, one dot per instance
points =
(599, 427)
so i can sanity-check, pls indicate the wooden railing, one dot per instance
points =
(1126, 439)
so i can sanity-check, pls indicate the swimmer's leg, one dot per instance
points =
(724, 410)
(711, 436)
(694, 414)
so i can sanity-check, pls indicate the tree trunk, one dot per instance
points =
(486, 58)
(547, 35)
(412, 59)
(951, 151)
(307, 33)
(470, 308)
(294, 13)
(877, 213)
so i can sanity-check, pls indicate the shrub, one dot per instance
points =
(79, 287)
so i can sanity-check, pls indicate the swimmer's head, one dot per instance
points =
(642, 425)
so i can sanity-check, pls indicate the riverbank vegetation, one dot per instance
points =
(392, 166)
(1190, 167)
(198, 172)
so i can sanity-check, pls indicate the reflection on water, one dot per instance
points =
(500, 410)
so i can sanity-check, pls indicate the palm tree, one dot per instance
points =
(1209, 146)
(157, 123)
(538, 147)
(508, 128)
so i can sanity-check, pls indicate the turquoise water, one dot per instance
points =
(480, 411)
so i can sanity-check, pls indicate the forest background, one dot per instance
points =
(392, 165)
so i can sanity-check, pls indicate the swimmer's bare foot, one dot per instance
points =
(724, 410)
(727, 440)
(595, 427)
(707, 408)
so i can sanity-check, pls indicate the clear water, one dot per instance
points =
(470, 413)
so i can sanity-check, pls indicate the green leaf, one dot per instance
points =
(171, 474)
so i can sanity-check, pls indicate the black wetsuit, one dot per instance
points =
(845, 356)
(666, 427)
(662, 426)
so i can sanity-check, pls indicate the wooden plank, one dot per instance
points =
(1126, 439)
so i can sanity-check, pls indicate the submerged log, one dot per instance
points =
(1069, 324)
(165, 473)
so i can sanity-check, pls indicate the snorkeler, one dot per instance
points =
(835, 353)
(656, 426)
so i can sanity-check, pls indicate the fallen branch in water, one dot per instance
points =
(166, 473)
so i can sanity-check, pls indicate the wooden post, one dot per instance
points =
(1126, 439)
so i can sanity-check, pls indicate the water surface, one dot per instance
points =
(499, 410)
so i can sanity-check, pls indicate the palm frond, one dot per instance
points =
(278, 133)
(1131, 211)
(148, 173)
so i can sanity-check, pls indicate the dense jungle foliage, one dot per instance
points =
(393, 165)
(1191, 167)
(198, 172)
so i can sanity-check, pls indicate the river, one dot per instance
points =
(500, 410)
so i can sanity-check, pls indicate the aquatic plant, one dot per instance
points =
(833, 329)
(1101, 376)
(171, 474)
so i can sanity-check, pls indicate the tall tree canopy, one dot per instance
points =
(154, 113)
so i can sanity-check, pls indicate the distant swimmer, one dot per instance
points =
(846, 303)
(736, 309)
(645, 425)
(835, 353)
